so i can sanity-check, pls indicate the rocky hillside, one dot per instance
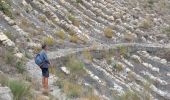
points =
(99, 49)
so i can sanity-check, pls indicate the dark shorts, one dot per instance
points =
(45, 72)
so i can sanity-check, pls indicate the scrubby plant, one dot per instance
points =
(145, 24)
(118, 67)
(87, 55)
(129, 95)
(5, 7)
(3, 79)
(122, 51)
(108, 32)
(9, 57)
(79, 1)
(75, 21)
(74, 38)
(19, 89)
(10, 35)
(49, 41)
(76, 68)
(166, 30)
(61, 34)
(36, 49)
(42, 18)
(72, 90)
(20, 66)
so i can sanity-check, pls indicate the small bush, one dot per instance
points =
(10, 35)
(87, 55)
(48, 40)
(42, 18)
(75, 66)
(9, 58)
(129, 95)
(166, 30)
(74, 38)
(123, 51)
(75, 21)
(118, 67)
(3, 80)
(5, 7)
(19, 89)
(61, 34)
(108, 32)
(36, 49)
(145, 24)
(20, 66)
(72, 90)
(79, 1)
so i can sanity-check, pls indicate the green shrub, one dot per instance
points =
(20, 66)
(118, 67)
(19, 89)
(79, 1)
(108, 32)
(5, 7)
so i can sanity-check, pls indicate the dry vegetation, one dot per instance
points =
(108, 32)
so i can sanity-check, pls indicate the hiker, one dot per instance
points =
(42, 61)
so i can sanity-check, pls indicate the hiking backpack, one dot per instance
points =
(38, 60)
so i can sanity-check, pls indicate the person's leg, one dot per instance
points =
(43, 82)
(46, 83)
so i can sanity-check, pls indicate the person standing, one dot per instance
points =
(43, 62)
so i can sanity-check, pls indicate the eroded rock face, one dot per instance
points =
(5, 93)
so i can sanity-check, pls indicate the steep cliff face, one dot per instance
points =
(100, 49)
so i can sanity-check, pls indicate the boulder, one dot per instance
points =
(5, 93)
(65, 70)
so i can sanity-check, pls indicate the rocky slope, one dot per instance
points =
(123, 45)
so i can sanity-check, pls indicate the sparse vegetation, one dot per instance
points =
(75, 21)
(3, 79)
(166, 30)
(129, 95)
(76, 66)
(108, 32)
(145, 24)
(123, 51)
(5, 7)
(74, 38)
(79, 1)
(118, 67)
(19, 89)
(61, 34)
(20, 66)
(42, 18)
(9, 58)
(10, 36)
(87, 55)
(49, 41)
